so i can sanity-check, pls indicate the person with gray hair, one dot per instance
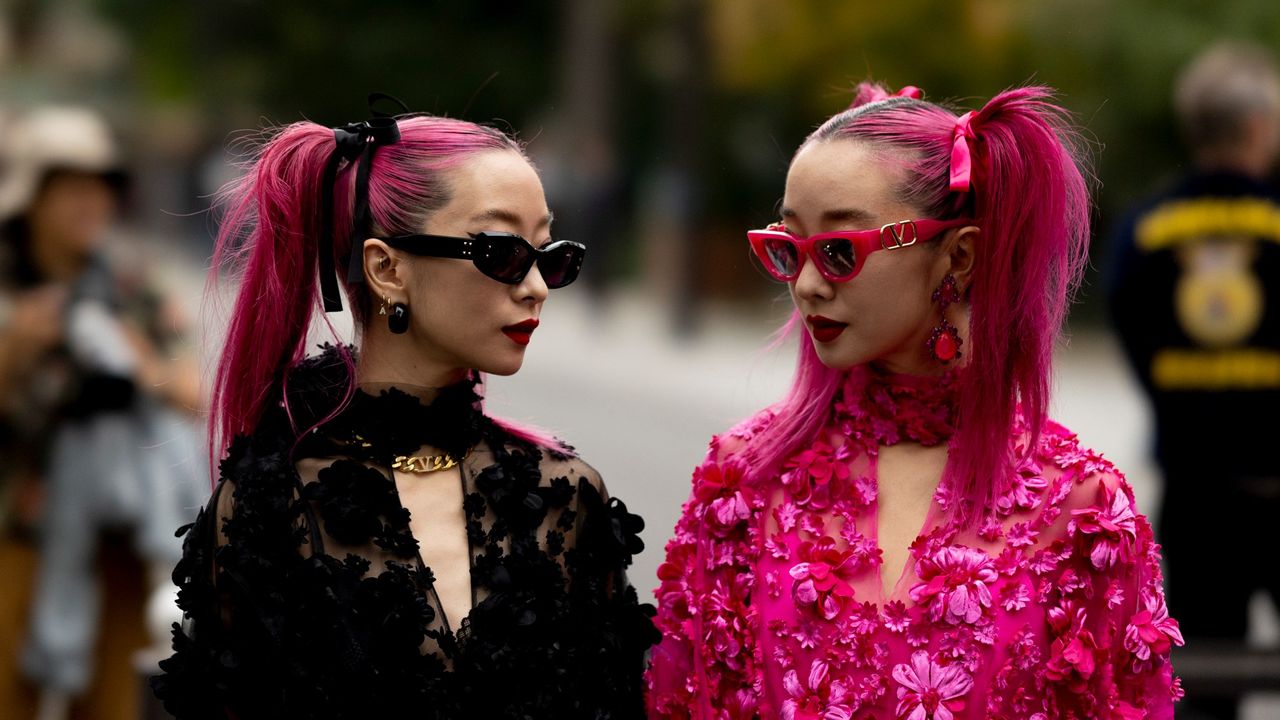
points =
(1194, 289)
(1227, 103)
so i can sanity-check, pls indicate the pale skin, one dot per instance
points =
(849, 185)
(456, 319)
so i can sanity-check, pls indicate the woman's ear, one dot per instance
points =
(383, 271)
(958, 251)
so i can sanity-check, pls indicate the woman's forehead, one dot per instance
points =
(842, 180)
(499, 187)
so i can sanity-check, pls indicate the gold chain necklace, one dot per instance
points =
(423, 464)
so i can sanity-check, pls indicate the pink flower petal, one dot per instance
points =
(805, 593)
(817, 675)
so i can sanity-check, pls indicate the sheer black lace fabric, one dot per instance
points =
(306, 595)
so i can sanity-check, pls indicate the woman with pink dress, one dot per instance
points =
(907, 534)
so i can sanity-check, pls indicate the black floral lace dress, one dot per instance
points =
(306, 595)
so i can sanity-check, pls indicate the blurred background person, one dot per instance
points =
(1195, 297)
(98, 461)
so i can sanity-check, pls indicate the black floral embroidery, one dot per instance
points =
(473, 505)
(279, 627)
(475, 533)
(567, 519)
(625, 530)
(352, 499)
(555, 542)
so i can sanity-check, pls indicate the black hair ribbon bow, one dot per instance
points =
(354, 142)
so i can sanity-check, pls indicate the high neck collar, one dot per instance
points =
(384, 419)
(890, 408)
(423, 393)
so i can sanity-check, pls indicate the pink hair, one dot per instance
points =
(1030, 200)
(269, 229)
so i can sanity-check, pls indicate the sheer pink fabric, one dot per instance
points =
(771, 600)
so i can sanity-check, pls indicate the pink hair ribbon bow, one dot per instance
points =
(961, 154)
(910, 91)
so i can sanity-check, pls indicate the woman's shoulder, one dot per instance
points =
(257, 477)
(260, 454)
(1059, 447)
(752, 427)
(727, 447)
(1083, 493)
(559, 465)
(564, 461)
(722, 478)
(255, 472)
(1081, 473)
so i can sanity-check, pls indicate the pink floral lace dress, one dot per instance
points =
(771, 600)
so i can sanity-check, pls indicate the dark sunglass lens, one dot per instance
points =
(837, 257)
(782, 256)
(560, 266)
(505, 258)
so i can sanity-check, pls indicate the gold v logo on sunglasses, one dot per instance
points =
(904, 234)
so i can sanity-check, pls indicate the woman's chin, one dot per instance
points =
(837, 358)
(503, 367)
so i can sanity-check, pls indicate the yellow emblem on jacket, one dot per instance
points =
(1219, 300)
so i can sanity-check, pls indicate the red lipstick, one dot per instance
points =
(521, 333)
(824, 328)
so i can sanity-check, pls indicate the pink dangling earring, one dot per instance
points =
(944, 344)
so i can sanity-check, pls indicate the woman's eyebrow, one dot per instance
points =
(834, 215)
(509, 217)
(845, 215)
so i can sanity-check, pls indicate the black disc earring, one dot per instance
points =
(398, 320)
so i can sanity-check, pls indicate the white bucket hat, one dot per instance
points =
(48, 139)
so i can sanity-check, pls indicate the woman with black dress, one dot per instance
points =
(376, 543)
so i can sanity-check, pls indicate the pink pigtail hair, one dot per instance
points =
(1030, 200)
(1032, 205)
(271, 217)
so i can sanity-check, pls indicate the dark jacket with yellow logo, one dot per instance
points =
(1195, 294)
